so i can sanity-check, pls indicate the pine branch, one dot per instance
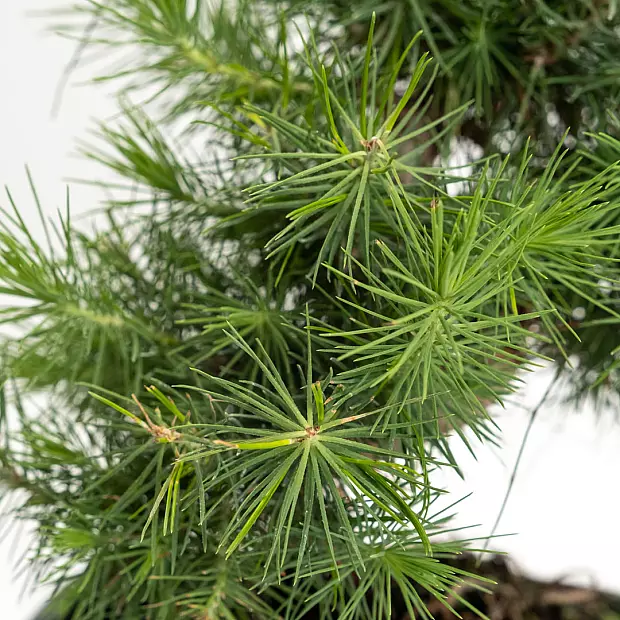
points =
(248, 398)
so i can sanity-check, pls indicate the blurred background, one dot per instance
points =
(564, 509)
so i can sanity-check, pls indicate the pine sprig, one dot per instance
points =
(310, 449)
(205, 50)
(334, 178)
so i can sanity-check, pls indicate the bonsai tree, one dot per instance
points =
(252, 373)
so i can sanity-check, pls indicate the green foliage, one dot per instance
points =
(518, 59)
(337, 179)
(200, 50)
(254, 370)
(400, 566)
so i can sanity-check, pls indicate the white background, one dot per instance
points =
(565, 507)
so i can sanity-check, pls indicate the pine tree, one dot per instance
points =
(253, 370)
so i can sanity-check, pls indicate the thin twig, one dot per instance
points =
(72, 65)
(513, 476)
